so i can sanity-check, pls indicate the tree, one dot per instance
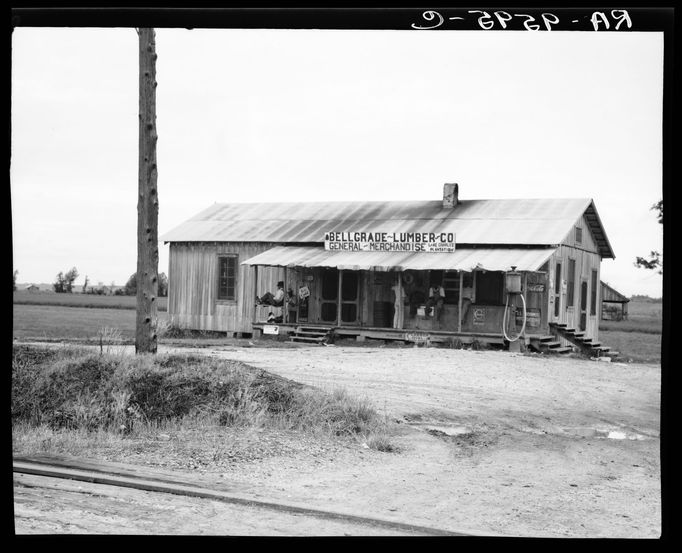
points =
(163, 285)
(147, 204)
(64, 282)
(654, 261)
(85, 285)
(14, 280)
(130, 287)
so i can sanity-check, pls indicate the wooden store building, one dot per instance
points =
(501, 271)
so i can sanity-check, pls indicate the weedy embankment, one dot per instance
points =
(68, 393)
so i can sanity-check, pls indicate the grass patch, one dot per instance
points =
(89, 301)
(51, 322)
(638, 347)
(75, 393)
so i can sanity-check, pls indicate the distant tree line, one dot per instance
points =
(645, 298)
(64, 285)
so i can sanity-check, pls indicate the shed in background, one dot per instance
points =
(614, 304)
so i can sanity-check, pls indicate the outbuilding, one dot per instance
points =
(502, 271)
(614, 304)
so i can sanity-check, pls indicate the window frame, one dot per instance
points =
(235, 268)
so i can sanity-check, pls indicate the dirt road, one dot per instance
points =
(491, 443)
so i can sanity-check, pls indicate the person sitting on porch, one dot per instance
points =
(436, 299)
(276, 299)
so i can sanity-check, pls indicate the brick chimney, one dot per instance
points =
(450, 194)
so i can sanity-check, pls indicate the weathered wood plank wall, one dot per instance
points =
(586, 256)
(193, 286)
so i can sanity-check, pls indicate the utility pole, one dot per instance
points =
(147, 202)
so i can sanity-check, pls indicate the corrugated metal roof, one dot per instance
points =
(490, 259)
(513, 221)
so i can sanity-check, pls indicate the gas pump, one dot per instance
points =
(512, 285)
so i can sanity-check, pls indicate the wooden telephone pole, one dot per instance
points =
(147, 202)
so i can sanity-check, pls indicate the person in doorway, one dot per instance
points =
(398, 302)
(276, 299)
(436, 299)
(467, 300)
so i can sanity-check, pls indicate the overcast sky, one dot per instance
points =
(286, 115)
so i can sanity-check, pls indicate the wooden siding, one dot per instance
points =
(587, 243)
(587, 259)
(193, 286)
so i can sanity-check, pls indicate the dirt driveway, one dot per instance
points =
(491, 443)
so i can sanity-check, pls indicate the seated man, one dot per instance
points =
(269, 299)
(436, 298)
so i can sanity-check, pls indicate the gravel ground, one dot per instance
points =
(489, 443)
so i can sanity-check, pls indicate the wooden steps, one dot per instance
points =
(310, 334)
(548, 344)
(586, 345)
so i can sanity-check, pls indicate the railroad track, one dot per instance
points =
(114, 476)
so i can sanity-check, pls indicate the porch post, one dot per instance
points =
(525, 297)
(285, 304)
(255, 293)
(338, 299)
(459, 308)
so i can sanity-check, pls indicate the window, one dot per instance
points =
(578, 235)
(489, 286)
(227, 277)
(570, 278)
(593, 294)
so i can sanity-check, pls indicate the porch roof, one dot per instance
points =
(464, 259)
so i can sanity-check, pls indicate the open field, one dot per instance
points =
(53, 322)
(637, 339)
(81, 300)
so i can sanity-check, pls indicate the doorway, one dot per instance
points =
(350, 296)
(329, 295)
(583, 305)
(557, 292)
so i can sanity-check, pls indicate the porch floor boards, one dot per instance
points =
(317, 333)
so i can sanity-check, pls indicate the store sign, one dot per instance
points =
(417, 337)
(432, 242)
(270, 329)
(479, 316)
(536, 287)
(532, 318)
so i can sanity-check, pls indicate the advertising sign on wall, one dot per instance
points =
(433, 242)
(479, 316)
(532, 317)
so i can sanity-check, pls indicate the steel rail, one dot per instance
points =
(111, 478)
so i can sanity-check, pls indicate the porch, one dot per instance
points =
(320, 333)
